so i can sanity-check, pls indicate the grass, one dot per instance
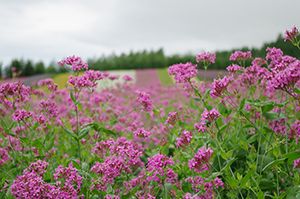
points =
(61, 79)
(164, 77)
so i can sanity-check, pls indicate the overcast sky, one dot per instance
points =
(53, 29)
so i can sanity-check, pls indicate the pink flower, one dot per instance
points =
(210, 116)
(75, 62)
(240, 55)
(127, 78)
(39, 167)
(68, 179)
(278, 126)
(144, 99)
(157, 165)
(21, 114)
(200, 162)
(290, 35)
(234, 68)
(4, 157)
(16, 90)
(206, 57)
(184, 139)
(183, 72)
(295, 130)
(140, 132)
(172, 118)
(297, 163)
(49, 83)
(219, 86)
(88, 79)
(32, 185)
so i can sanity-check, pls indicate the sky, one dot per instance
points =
(53, 29)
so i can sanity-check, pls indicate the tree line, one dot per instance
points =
(140, 60)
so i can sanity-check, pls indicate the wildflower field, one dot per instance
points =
(233, 137)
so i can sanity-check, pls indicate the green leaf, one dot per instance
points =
(273, 163)
(268, 107)
(242, 104)
(292, 156)
(271, 115)
(73, 97)
(84, 132)
(228, 164)
(260, 195)
(246, 178)
(70, 133)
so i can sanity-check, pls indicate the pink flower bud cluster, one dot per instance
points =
(4, 157)
(207, 117)
(290, 35)
(184, 139)
(49, 83)
(200, 162)
(208, 185)
(206, 57)
(119, 156)
(75, 62)
(172, 118)
(219, 86)
(144, 99)
(158, 167)
(87, 80)
(32, 185)
(21, 114)
(234, 68)
(183, 72)
(297, 163)
(16, 91)
(141, 133)
(240, 55)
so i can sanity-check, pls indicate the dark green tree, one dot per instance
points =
(28, 69)
(39, 68)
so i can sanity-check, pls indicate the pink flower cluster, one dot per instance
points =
(240, 55)
(75, 62)
(284, 72)
(87, 80)
(144, 99)
(119, 156)
(21, 114)
(184, 139)
(142, 133)
(4, 157)
(278, 126)
(11, 93)
(68, 179)
(297, 163)
(32, 185)
(234, 68)
(49, 107)
(172, 118)
(39, 167)
(157, 167)
(219, 86)
(206, 57)
(49, 83)
(290, 35)
(295, 130)
(200, 162)
(204, 186)
(183, 72)
(207, 117)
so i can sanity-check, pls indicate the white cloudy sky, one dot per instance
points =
(47, 30)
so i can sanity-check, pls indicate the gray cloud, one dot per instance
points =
(53, 29)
